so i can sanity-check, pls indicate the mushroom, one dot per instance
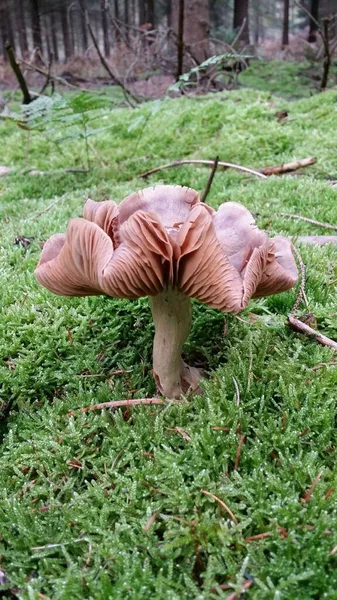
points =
(163, 242)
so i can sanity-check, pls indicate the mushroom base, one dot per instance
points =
(171, 313)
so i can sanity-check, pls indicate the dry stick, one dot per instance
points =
(45, 85)
(227, 165)
(27, 99)
(239, 33)
(312, 487)
(332, 363)
(238, 452)
(221, 503)
(210, 179)
(317, 240)
(41, 212)
(259, 536)
(301, 293)
(56, 77)
(289, 167)
(127, 93)
(245, 586)
(301, 327)
(132, 402)
(307, 220)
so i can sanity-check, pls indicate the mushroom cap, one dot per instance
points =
(161, 237)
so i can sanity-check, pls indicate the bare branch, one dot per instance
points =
(178, 163)
(301, 327)
(210, 180)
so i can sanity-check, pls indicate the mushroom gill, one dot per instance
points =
(162, 242)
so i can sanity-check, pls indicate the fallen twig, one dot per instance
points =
(245, 586)
(301, 327)
(317, 240)
(41, 212)
(120, 403)
(238, 452)
(210, 180)
(259, 536)
(322, 365)
(181, 432)
(307, 220)
(222, 504)
(301, 293)
(289, 167)
(309, 493)
(150, 521)
(208, 163)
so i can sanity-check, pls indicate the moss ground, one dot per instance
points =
(102, 505)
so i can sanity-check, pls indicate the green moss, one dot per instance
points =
(289, 79)
(89, 483)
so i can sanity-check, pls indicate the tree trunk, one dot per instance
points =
(65, 33)
(314, 11)
(36, 26)
(150, 13)
(47, 35)
(83, 33)
(240, 16)
(53, 27)
(141, 12)
(21, 25)
(126, 20)
(105, 27)
(196, 18)
(285, 31)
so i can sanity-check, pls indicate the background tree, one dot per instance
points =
(285, 29)
(241, 16)
(314, 11)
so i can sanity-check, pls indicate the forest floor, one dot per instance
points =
(109, 504)
(291, 79)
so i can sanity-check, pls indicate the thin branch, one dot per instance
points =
(301, 293)
(114, 77)
(56, 78)
(48, 76)
(310, 491)
(41, 212)
(301, 327)
(27, 99)
(307, 220)
(210, 180)
(245, 586)
(238, 452)
(289, 167)
(227, 165)
(308, 13)
(332, 363)
(317, 240)
(239, 33)
(222, 504)
(258, 536)
(120, 403)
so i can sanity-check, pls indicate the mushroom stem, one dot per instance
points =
(171, 313)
